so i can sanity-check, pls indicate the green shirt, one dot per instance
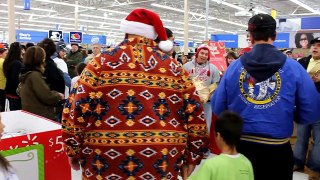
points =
(225, 167)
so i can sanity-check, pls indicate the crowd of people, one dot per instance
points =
(56, 72)
(135, 112)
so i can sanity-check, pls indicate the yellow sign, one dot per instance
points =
(274, 13)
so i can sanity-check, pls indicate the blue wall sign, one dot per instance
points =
(282, 40)
(27, 5)
(181, 43)
(310, 23)
(30, 36)
(75, 37)
(230, 40)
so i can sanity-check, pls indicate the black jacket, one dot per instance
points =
(13, 78)
(305, 62)
(54, 76)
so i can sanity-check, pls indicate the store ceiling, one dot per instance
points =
(104, 16)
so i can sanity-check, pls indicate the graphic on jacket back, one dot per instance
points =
(262, 94)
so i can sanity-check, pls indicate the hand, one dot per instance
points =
(316, 77)
(186, 170)
(74, 163)
(61, 96)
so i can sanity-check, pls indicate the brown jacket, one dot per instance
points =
(36, 96)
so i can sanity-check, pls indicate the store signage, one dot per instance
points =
(230, 40)
(30, 36)
(75, 37)
(181, 43)
(310, 23)
(217, 55)
(282, 40)
(55, 35)
(27, 5)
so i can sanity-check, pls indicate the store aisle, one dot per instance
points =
(76, 175)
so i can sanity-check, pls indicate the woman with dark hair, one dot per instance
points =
(36, 96)
(231, 56)
(54, 76)
(302, 40)
(12, 67)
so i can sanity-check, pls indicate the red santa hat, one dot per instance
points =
(205, 47)
(148, 24)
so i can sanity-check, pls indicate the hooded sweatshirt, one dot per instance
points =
(266, 88)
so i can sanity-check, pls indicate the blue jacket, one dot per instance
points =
(266, 88)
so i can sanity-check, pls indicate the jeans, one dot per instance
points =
(301, 146)
(14, 104)
(208, 114)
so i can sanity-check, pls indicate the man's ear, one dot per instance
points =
(218, 136)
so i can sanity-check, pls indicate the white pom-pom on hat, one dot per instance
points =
(165, 46)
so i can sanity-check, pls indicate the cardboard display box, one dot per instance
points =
(23, 129)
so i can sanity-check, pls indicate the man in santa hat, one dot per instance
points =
(134, 113)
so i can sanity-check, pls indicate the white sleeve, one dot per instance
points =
(61, 65)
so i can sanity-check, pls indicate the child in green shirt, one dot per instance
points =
(229, 165)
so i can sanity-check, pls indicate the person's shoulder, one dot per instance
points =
(244, 159)
(212, 66)
(17, 63)
(293, 63)
(188, 64)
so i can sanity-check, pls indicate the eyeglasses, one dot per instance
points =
(303, 39)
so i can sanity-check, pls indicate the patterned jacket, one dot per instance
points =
(134, 114)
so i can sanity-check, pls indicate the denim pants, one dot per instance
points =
(208, 114)
(14, 104)
(301, 146)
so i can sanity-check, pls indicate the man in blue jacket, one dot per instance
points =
(266, 88)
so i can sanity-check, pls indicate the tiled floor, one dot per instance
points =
(76, 175)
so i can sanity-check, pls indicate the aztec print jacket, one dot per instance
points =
(134, 113)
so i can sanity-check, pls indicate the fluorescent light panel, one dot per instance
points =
(196, 14)
(65, 4)
(305, 6)
(37, 9)
(237, 7)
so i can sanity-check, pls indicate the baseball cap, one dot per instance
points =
(288, 51)
(261, 22)
(61, 46)
(315, 40)
(2, 48)
(74, 44)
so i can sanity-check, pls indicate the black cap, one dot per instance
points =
(262, 22)
(74, 44)
(61, 46)
(288, 51)
(315, 40)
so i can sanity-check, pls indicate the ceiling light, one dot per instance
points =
(237, 7)
(196, 14)
(229, 4)
(37, 9)
(259, 11)
(305, 6)
(65, 4)
(303, 14)
(100, 17)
